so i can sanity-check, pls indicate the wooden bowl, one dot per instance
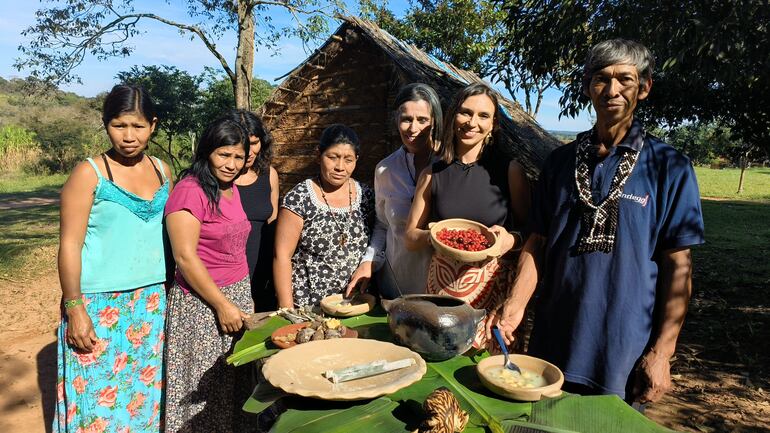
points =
(464, 256)
(294, 328)
(553, 376)
(360, 304)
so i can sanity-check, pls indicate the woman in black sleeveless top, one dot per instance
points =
(258, 188)
(473, 180)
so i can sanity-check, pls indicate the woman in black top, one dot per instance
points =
(473, 180)
(258, 187)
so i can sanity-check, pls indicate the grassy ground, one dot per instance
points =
(28, 234)
(724, 183)
(40, 186)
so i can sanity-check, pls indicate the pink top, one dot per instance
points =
(222, 241)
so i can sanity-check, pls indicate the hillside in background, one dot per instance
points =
(564, 136)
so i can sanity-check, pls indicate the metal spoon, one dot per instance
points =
(508, 363)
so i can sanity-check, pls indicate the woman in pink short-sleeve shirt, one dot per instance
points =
(211, 295)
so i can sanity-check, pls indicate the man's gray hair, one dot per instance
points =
(619, 51)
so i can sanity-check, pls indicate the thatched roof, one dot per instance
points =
(377, 59)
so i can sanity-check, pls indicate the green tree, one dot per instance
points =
(64, 143)
(713, 56)
(217, 97)
(464, 33)
(64, 34)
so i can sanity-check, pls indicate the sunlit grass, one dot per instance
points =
(723, 183)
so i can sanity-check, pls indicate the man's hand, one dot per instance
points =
(653, 377)
(507, 320)
(359, 279)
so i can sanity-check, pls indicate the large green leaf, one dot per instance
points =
(402, 410)
(459, 376)
(601, 413)
(254, 344)
(373, 417)
(264, 396)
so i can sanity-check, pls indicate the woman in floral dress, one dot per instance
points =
(324, 225)
(112, 269)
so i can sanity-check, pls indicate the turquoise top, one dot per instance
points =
(123, 247)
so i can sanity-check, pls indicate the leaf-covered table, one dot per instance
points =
(402, 412)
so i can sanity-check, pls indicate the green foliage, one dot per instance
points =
(465, 33)
(461, 32)
(218, 98)
(64, 143)
(713, 55)
(14, 137)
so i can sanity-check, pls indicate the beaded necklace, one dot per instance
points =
(599, 221)
(343, 238)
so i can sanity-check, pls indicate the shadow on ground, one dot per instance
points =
(721, 365)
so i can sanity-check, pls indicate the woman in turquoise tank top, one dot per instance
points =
(112, 272)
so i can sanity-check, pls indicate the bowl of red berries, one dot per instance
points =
(463, 240)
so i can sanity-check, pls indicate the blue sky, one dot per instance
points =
(162, 44)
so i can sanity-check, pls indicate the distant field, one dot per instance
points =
(20, 183)
(723, 183)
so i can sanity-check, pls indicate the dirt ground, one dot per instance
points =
(720, 371)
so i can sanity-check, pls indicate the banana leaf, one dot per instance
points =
(264, 396)
(373, 417)
(528, 427)
(458, 374)
(255, 343)
(601, 413)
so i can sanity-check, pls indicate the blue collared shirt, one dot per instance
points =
(594, 313)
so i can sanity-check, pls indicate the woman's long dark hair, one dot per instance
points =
(221, 132)
(447, 149)
(254, 127)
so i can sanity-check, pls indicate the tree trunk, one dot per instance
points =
(744, 163)
(244, 60)
(540, 91)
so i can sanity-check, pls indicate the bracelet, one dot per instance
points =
(72, 303)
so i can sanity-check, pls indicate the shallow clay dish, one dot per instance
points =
(360, 304)
(553, 376)
(298, 370)
(294, 328)
(463, 256)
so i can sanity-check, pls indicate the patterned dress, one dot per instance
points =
(322, 264)
(117, 387)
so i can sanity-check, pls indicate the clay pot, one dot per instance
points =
(435, 326)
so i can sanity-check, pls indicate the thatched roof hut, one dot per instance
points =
(353, 79)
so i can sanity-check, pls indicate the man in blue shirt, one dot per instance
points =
(613, 218)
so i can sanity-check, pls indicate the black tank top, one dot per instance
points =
(255, 199)
(478, 191)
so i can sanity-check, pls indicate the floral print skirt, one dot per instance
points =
(203, 393)
(118, 386)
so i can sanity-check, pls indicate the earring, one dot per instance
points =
(487, 139)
